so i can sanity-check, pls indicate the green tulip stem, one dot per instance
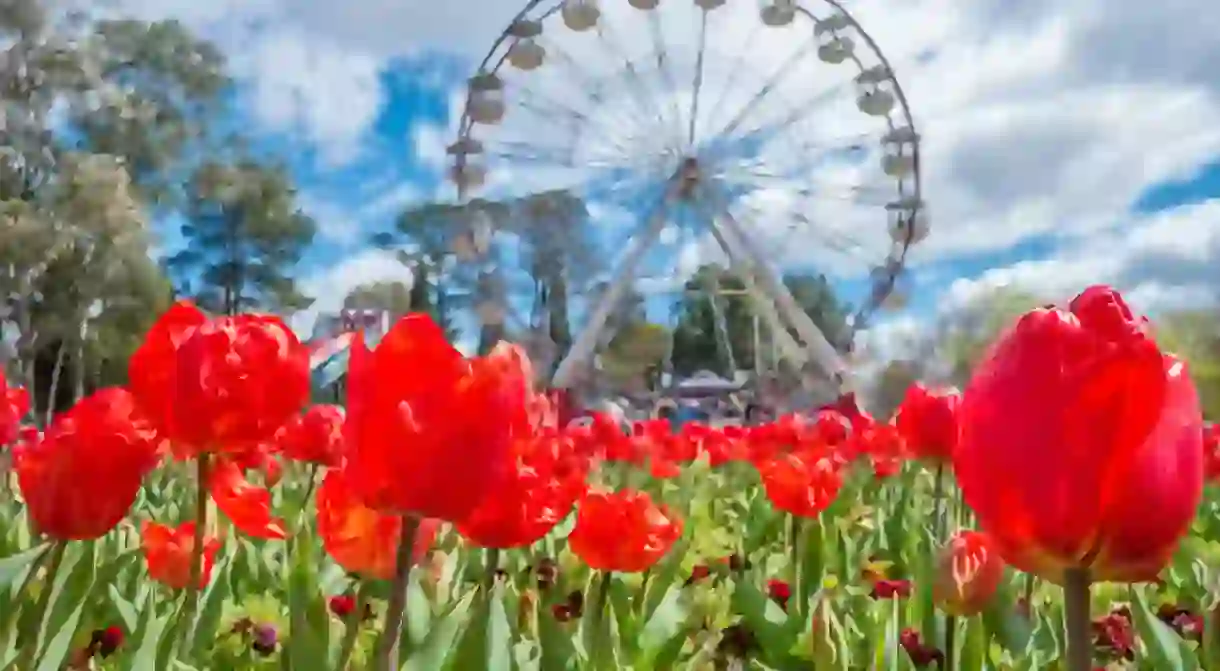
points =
(797, 545)
(302, 517)
(939, 515)
(492, 555)
(1076, 583)
(29, 639)
(600, 603)
(352, 632)
(387, 646)
(950, 643)
(201, 525)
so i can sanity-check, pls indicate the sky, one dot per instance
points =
(1064, 143)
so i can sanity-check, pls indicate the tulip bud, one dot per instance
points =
(968, 573)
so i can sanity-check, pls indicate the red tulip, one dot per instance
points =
(315, 437)
(168, 552)
(430, 432)
(801, 484)
(82, 477)
(1211, 453)
(14, 404)
(548, 479)
(247, 506)
(151, 369)
(1081, 444)
(968, 573)
(623, 531)
(360, 539)
(927, 421)
(223, 384)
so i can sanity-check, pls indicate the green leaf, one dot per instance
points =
(438, 645)
(212, 606)
(16, 567)
(145, 658)
(308, 644)
(1163, 648)
(499, 634)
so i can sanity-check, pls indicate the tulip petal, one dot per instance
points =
(248, 507)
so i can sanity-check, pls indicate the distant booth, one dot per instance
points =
(706, 384)
(330, 348)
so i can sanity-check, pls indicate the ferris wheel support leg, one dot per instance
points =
(585, 344)
(763, 305)
(819, 348)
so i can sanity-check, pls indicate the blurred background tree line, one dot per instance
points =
(109, 125)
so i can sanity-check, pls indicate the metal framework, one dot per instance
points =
(684, 158)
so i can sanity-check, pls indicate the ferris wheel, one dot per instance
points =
(771, 135)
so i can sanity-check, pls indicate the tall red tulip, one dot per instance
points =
(82, 477)
(927, 421)
(428, 431)
(1081, 443)
(221, 384)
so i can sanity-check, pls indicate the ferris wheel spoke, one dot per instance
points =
(734, 71)
(778, 77)
(768, 133)
(639, 88)
(697, 85)
(661, 54)
(593, 92)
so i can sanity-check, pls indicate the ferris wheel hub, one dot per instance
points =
(688, 178)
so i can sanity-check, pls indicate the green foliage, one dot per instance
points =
(697, 342)
(657, 620)
(244, 235)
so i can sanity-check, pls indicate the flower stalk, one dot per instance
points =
(1076, 583)
(387, 647)
(352, 624)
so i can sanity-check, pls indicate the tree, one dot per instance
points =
(698, 343)
(636, 353)
(1194, 335)
(244, 236)
(712, 327)
(962, 337)
(79, 286)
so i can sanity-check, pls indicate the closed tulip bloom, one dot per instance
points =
(429, 432)
(927, 421)
(362, 540)
(168, 552)
(1081, 444)
(82, 477)
(623, 531)
(968, 573)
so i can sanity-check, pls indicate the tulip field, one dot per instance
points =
(1053, 515)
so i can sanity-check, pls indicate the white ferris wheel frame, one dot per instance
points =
(811, 352)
